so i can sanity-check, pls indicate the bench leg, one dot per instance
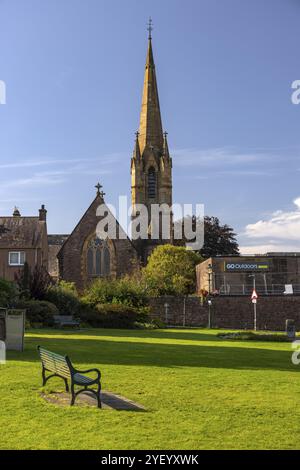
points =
(99, 395)
(96, 393)
(44, 377)
(67, 386)
(73, 394)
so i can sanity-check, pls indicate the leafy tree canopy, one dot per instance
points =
(171, 271)
(218, 239)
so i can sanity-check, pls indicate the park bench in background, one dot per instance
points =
(65, 320)
(61, 366)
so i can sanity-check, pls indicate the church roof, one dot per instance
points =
(89, 218)
(57, 239)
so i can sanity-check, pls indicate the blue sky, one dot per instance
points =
(74, 72)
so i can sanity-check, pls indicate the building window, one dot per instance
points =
(106, 262)
(151, 183)
(16, 258)
(98, 258)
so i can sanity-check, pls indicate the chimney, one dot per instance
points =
(42, 213)
(16, 212)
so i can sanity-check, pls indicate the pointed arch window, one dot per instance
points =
(106, 261)
(151, 183)
(98, 258)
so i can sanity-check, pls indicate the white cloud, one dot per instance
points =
(268, 248)
(51, 175)
(103, 160)
(36, 163)
(281, 225)
(222, 156)
(35, 180)
(281, 232)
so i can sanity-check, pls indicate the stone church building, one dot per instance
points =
(83, 256)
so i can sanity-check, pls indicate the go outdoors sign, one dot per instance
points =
(246, 266)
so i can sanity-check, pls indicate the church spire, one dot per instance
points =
(150, 131)
(151, 163)
(136, 151)
(166, 147)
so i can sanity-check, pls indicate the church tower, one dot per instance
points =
(151, 164)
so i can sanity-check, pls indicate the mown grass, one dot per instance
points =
(200, 393)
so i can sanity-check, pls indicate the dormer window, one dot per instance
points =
(151, 183)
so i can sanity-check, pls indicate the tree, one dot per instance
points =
(8, 293)
(171, 271)
(218, 239)
(35, 284)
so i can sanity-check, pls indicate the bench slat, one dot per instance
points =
(55, 363)
(82, 379)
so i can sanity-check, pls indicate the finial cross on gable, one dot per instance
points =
(98, 186)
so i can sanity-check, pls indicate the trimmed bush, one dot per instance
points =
(65, 299)
(254, 336)
(33, 283)
(113, 316)
(39, 311)
(125, 291)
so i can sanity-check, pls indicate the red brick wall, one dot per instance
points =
(229, 312)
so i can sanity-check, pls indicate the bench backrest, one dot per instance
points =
(55, 363)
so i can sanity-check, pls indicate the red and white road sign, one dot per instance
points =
(254, 295)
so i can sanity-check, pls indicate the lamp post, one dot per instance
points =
(166, 305)
(209, 312)
(210, 272)
(254, 300)
(254, 280)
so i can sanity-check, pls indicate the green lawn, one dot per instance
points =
(201, 392)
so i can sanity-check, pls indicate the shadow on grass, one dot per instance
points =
(183, 335)
(96, 352)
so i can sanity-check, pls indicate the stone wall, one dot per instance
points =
(229, 312)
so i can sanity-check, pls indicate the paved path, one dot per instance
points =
(109, 401)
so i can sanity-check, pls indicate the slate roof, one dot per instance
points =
(21, 232)
(57, 239)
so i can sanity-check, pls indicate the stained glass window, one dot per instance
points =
(151, 183)
(98, 258)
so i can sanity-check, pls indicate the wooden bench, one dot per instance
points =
(65, 320)
(61, 366)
